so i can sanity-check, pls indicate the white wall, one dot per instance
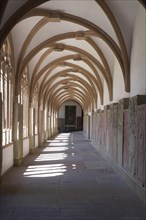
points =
(137, 68)
(138, 55)
(25, 147)
(62, 109)
(8, 158)
(36, 141)
(118, 83)
(106, 100)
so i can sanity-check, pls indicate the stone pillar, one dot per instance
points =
(49, 126)
(40, 127)
(84, 125)
(44, 125)
(98, 127)
(18, 133)
(95, 118)
(31, 130)
(52, 124)
(92, 126)
(0, 134)
(123, 104)
(134, 102)
(89, 129)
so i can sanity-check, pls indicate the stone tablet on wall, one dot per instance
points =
(132, 136)
(141, 144)
(125, 153)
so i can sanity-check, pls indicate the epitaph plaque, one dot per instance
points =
(125, 140)
(141, 145)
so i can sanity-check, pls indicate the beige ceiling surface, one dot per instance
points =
(70, 47)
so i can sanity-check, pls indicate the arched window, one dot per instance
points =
(6, 90)
(25, 100)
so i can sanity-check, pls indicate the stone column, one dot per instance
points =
(52, 125)
(98, 127)
(0, 134)
(89, 129)
(44, 125)
(49, 126)
(92, 126)
(18, 133)
(95, 118)
(84, 125)
(31, 130)
(40, 125)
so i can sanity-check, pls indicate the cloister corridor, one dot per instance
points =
(72, 110)
(67, 179)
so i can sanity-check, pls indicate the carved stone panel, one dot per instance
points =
(96, 127)
(132, 136)
(125, 140)
(110, 131)
(123, 104)
(115, 132)
(141, 145)
(104, 130)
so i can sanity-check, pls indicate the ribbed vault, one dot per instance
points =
(68, 55)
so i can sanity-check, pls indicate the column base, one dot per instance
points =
(18, 162)
(32, 151)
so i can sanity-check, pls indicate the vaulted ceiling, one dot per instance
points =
(69, 47)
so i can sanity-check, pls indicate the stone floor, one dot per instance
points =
(67, 179)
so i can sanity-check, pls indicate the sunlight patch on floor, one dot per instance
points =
(55, 149)
(50, 157)
(58, 144)
(49, 170)
(45, 170)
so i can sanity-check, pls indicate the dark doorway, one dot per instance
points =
(70, 118)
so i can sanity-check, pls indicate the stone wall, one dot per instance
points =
(61, 124)
(120, 134)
